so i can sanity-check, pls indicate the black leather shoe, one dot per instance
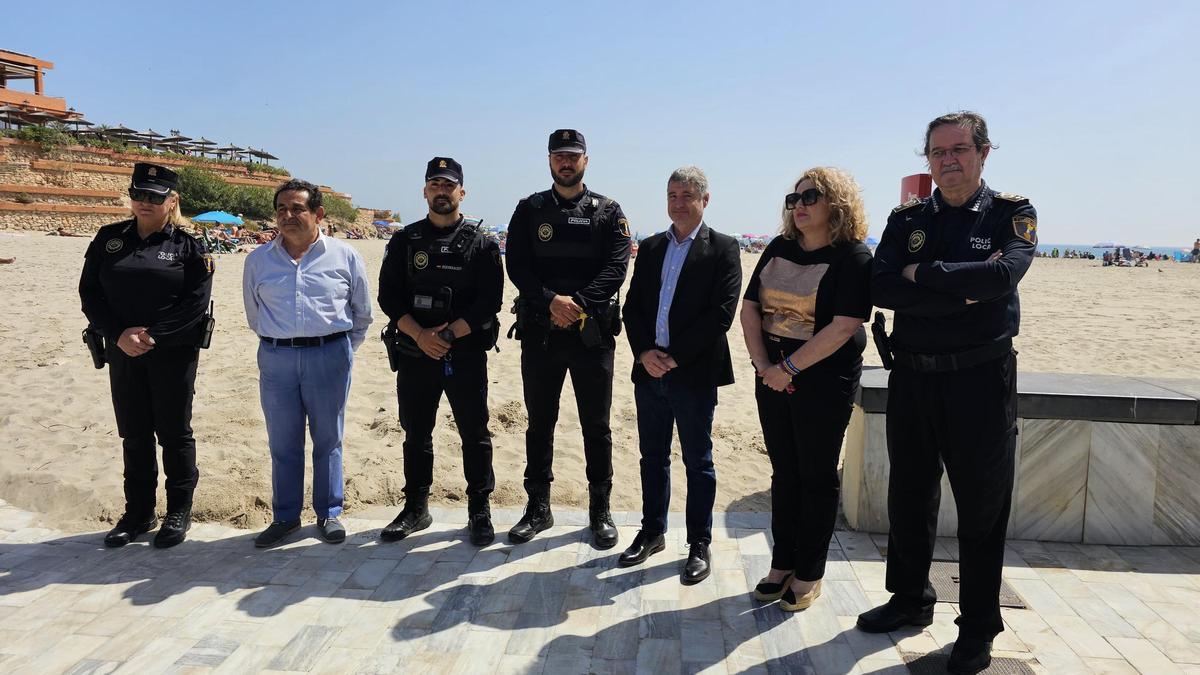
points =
(127, 530)
(414, 517)
(479, 521)
(604, 532)
(698, 565)
(969, 656)
(887, 618)
(644, 545)
(174, 529)
(537, 518)
(275, 533)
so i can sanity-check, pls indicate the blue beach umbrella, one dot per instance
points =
(217, 217)
(871, 241)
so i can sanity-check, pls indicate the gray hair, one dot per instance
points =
(692, 175)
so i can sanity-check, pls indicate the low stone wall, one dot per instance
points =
(81, 223)
(1100, 460)
(83, 168)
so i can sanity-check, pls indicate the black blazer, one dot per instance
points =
(702, 309)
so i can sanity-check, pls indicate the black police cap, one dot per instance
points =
(567, 140)
(154, 178)
(444, 167)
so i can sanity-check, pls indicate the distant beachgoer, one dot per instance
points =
(7, 261)
(1196, 251)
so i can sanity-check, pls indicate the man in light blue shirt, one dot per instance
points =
(307, 299)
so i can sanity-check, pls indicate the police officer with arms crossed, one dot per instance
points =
(949, 266)
(568, 251)
(441, 284)
(145, 287)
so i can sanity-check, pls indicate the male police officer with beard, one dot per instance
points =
(949, 266)
(440, 284)
(568, 251)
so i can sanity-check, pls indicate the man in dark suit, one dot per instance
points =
(680, 304)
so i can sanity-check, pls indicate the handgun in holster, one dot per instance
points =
(94, 339)
(883, 343)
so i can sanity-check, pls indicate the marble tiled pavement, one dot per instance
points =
(434, 603)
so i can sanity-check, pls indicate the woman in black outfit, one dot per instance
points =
(802, 316)
(145, 286)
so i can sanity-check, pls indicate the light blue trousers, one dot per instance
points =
(299, 384)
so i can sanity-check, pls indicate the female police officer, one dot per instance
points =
(145, 286)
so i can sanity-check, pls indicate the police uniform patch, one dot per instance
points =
(1025, 228)
(545, 232)
(421, 260)
(113, 245)
(916, 240)
(209, 264)
(623, 225)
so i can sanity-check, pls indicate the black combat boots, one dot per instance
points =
(604, 532)
(414, 517)
(537, 515)
(479, 520)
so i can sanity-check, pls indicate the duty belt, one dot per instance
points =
(944, 363)
(303, 341)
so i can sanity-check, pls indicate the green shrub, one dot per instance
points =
(252, 202)
(339, 209)
(201, 191)
(51, 137)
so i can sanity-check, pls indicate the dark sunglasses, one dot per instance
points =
(807, 198)
(146, 196)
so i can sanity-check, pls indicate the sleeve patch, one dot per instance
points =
(1025, 227)
(623, 226)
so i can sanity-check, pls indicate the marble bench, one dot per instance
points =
(1100, 460)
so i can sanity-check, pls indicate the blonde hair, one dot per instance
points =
(175, 216)
(847, 215)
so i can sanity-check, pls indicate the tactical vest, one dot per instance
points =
(568, 245)
(438, 271)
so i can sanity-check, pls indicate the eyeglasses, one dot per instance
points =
(146, 196)
(956, 151)
(807, 198)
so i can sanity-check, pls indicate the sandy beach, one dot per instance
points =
(62, 456)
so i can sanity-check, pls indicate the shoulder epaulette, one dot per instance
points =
(1010, 197)
(535, 200)
(915, 201)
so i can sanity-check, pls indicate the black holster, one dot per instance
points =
(207, 324)
(94, 339)
(608, 314)
(391, 343)
(529, 322)
(883, 343)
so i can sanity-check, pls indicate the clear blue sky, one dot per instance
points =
(1094, 107)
